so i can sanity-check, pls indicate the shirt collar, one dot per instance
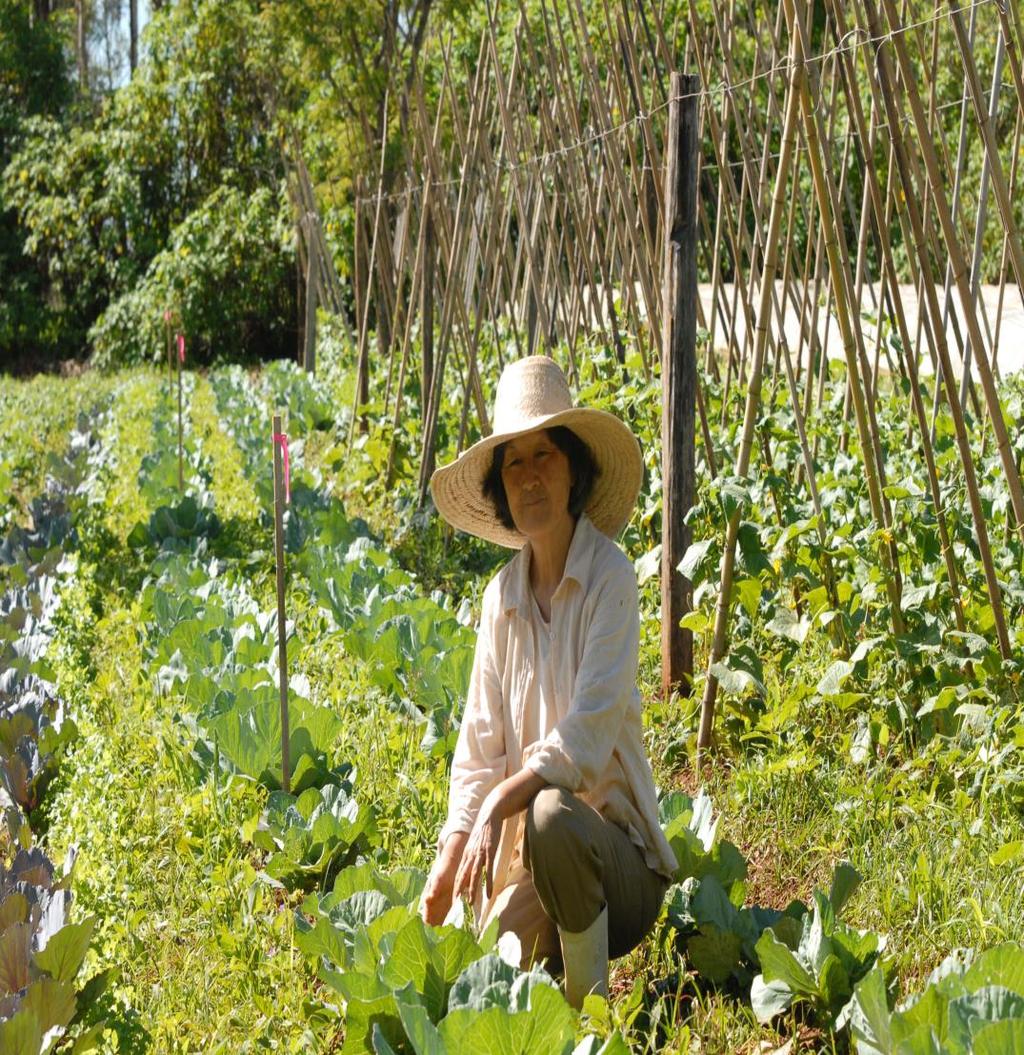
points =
(578, 562)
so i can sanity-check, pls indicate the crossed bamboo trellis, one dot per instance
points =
(531, 199)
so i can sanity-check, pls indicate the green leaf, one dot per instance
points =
(547, 1025)
(380, 1042)
(648, 565)
(845, 880)
(870, 1020)
(749, 593)
(412, 960)
(715, 953)
(778, 963)
(917, 596)
(786, 623)
(864, 649)
(734, 495)
(752, 557)
(15, 943)
(1001, 965)
(66, 950)
(969, 1014)
(21, 1034)
(89, 1039)
(696, 621)
(1007, 853)
(834, 982)
(1000, 1038)
(51, 1002)
(833, 678)
(693, 559)
(769, 999)
(734, 677)
(485, 983)
(422, 1033)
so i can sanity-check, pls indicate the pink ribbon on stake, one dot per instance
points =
(282, 439)
(167, 315)
(181, 348)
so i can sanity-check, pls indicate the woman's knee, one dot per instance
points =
(549, 817)
(562, 858)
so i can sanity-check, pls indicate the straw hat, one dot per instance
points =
(534, 394)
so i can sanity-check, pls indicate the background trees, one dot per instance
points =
(112, 137)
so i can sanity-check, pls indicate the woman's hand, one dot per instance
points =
(439, 890)
(508, 799)
(481, 851)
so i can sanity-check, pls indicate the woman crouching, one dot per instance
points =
(552, 824)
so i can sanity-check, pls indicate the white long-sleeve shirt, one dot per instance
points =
(568, 706)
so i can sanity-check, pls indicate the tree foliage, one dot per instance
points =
(103, 204)
(34, 81)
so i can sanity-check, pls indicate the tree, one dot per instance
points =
(35, 82)
(171, 189)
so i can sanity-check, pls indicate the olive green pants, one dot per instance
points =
(575, 862)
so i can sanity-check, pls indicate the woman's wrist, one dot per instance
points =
(511, 796)
(453, 846)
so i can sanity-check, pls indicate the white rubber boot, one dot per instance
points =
(585, 959)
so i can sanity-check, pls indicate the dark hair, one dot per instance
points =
(583, 471)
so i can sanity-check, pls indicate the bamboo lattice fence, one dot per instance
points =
(857, 187)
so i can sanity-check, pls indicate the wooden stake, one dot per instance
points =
(278, 440)
(678, 376)
(170, 353)
(181, 455)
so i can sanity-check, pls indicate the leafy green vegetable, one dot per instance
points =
(821, 968)
(970, 1005)
(309, 835)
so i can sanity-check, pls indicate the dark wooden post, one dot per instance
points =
(678, 376)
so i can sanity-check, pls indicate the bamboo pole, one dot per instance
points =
(362, 356)
(309, 331)
(1009, 234)
(833, 240)
(181, 435)
(753, 400)
(959, 264)
(170, 351)
(880, 207)
(280, 445)
(886, 90)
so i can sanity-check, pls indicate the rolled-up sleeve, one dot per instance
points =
(478, 763)
(577, 751)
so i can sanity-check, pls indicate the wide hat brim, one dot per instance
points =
(458, 488)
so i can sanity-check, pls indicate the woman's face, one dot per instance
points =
(537, 481)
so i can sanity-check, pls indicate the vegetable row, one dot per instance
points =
(43, 1001)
